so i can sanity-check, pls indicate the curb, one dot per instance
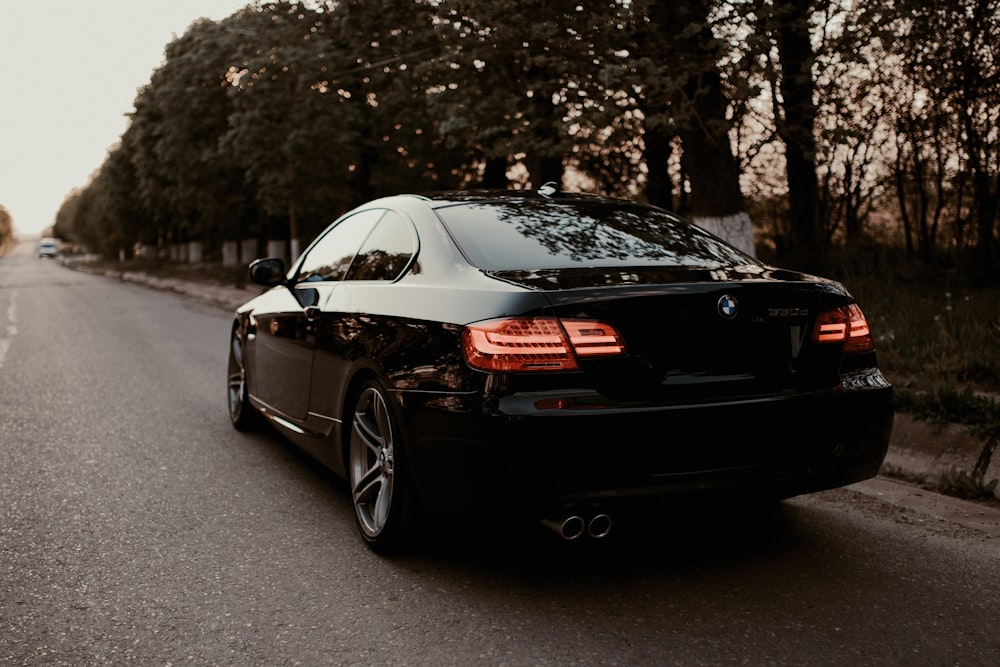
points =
(976, 516)
(923, 451)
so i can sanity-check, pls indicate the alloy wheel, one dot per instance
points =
(372, 462)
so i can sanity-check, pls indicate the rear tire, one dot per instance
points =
(242, 415)
(381, 491)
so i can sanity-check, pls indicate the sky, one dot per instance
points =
(69, 72)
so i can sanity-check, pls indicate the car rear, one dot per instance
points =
(690, 368)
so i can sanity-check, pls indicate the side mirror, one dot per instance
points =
(267, 272)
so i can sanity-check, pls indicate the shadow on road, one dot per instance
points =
(675, 538)
(678, 538)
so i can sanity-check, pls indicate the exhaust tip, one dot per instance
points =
(570, 528)
(599, 526)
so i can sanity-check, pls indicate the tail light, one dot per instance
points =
(846, 325)
(538, 343)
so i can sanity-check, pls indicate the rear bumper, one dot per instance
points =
(525, 462)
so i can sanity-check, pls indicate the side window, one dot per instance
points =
(332, 255)
(387, 250)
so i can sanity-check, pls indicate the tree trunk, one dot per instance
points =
(294, 242)
(986, 214)
(700, 111)
(495, 173)
(716, 198)
(901, 198)
(543, 169)
(656, 153)
(984, 458)
(796, 128)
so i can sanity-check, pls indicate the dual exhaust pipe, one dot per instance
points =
(574, 526)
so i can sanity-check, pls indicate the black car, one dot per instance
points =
(559, 357)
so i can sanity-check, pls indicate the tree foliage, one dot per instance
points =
(840, 115)
(945, 107)
(6, 226)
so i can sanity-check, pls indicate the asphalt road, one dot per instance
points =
(136, 527)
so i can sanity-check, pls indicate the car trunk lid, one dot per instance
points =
(708, 340)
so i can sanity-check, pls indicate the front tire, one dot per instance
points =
(381, 492)
(241, 413)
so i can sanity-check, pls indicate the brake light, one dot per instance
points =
(537, 343)
(593, 339)
(846, 325)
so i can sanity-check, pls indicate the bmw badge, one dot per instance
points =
(727, 306)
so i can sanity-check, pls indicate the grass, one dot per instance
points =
(981, 413)
(970, 486)
(931, 329)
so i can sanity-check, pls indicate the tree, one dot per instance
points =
(290, 139)
(189, 110)
(505, 84)
(65, 217)
(328, 107)
(6, 226)
(391, 50)
(86, 218)
(944, 101)
(698, 106)
(788, 23)
(610, 91)
(851, 124)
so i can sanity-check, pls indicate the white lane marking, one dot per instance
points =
(11, 327)
(12, 314)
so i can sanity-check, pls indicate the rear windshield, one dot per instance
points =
(552, 234)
